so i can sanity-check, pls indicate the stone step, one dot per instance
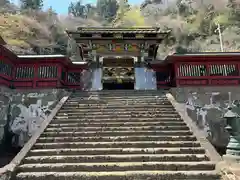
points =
(140, 101)
(95, 103)
(134, 128)
(124, 109)
(143, 101)
(117, 120)
(119, 104)
(116, 158)
(60, 113)
(116, 105)
(117, 98)
(120, 93)
(108, 106)
(113, 116)
(133, 91)
(83, 112)
(113, 102)
(118, 109)
(117, 166)
(72, 99)
(112, 151)
(116, 144)
(112, 138)
(116, 133)
(104, 123)
(121, 175)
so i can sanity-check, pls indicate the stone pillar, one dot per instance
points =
(142, 56)
(101, 61)
(94, 56)
(138, 61)
(87, 78)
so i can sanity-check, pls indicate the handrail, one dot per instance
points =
(7, 170)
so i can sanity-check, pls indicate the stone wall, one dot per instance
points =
(87, 79)
(22, 111)
(207, 106)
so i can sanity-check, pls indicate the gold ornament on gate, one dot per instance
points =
(119, 80)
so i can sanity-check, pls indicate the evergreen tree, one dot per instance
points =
(182, 8)
(234, 11)
(78, 9)
(4, 2)
(31, 4)
(107, 9)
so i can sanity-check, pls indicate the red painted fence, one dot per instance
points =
(211, 69)
(38, 71)
(221, 69)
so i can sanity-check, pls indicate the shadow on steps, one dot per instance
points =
(7, 150)
(7, 154)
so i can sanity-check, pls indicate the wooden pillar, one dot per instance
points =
(172, 75)
(176, 66)
(59, 79)
(142, 56)
(35, 78)
(13, 75)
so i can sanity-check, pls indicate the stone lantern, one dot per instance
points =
(233, 127)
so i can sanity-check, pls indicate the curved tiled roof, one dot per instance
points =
(118, 30)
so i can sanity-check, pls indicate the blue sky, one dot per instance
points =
(62, 8)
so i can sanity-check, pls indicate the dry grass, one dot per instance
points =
(38, 28)
(19, 30)
(32, 28)
(13, 29)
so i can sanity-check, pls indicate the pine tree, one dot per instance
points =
(234, 11)
(31, 4)
(77, 9)
(107, 9)
(4, 2)
(38, 4)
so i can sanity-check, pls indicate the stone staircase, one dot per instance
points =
(117, 135)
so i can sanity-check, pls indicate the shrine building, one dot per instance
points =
(117, 52)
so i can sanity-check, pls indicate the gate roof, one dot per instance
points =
(128, 33)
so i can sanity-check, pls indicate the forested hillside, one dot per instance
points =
(30, 30)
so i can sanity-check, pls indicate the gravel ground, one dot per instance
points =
(229, 170)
